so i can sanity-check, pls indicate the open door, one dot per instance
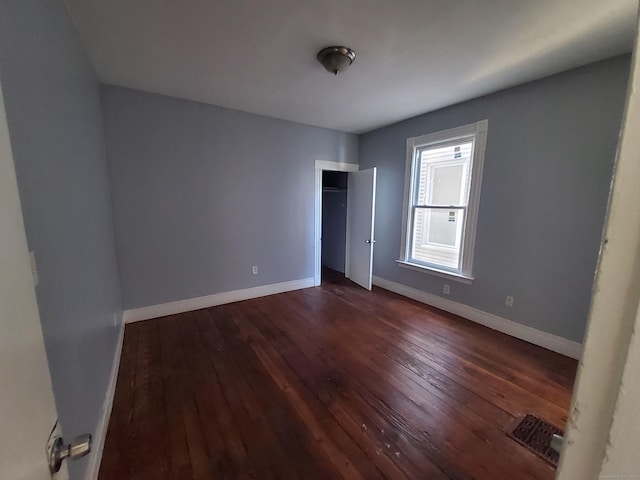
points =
(27, 408)
(361, 208)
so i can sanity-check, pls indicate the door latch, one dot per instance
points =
(59, 451)
(556, 442)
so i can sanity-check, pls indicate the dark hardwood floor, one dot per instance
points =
(328, 382)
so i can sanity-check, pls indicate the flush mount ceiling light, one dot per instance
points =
(336, 59)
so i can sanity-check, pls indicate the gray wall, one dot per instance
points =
(202, 193)
(334, 229)
(53, 110)
(550, 151)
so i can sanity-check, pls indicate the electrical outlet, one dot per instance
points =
(254, 270)
(508, 301)
(445, 289)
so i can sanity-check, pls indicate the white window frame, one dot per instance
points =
(478, 132)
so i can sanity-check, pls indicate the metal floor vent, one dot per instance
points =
(535, 434)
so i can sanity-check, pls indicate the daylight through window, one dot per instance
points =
(444, 171)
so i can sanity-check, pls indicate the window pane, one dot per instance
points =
(440, 227)
(437, 236)
(446, 184)
(443, 175)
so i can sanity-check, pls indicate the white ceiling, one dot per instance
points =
(413, 56)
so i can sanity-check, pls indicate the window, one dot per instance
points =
(442, 192)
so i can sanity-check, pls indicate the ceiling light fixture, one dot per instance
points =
(336, 59)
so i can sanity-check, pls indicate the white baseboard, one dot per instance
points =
(99, 436)
(180, 306)
(528, 334)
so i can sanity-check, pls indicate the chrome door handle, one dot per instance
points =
(369, 241)
(60, 451)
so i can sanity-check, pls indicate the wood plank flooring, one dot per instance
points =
(328, 382)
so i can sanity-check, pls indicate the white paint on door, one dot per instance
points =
(603, 430)
(361, 208)
(27, 408)
(621, 459)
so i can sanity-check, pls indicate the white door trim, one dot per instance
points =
(322, 165)
(602, 430)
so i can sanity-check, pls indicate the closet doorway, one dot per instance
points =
(334, 224)
(356, 263)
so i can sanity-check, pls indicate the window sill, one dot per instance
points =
(456, 277)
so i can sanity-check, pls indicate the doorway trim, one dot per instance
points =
(325, 165)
